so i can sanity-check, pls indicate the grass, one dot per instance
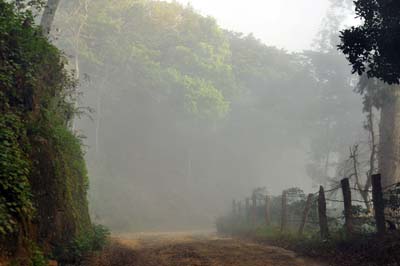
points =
(360, 249)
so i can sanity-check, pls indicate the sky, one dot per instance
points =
(287, 24)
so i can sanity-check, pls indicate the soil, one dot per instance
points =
(206, 249)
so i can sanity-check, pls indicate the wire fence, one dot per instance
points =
(375, 209)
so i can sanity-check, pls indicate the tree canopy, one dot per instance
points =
(373, 46)
(200, 107)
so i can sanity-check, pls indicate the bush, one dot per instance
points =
(15, 193)
(37, 257)
(101, 236)
(87, 242)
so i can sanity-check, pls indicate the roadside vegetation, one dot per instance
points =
(267, 223)
(338, 249)
(43, 177)
(365, 231)
(188, 114)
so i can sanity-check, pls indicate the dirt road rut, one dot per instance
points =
(207, 250)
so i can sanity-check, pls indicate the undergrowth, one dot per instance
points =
(88, 242)
(15, 196)
(338, 249)
(43, 175)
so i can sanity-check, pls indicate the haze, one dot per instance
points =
(199, 132)
(191, 112)
(268, 19)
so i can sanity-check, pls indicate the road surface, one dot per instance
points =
(204, 249)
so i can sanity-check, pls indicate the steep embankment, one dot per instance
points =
(43, 179)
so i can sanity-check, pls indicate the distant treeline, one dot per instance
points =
(183, 109)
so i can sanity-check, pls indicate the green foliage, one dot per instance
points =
(42, 161)
(101, 236)
(69, 166)
(190, 62)
(87, 242)
(28, 4)
(183, 89)
(204, 100)
(37, 257)
(365, 249)
(372, 46)
(15, 194)
(290, 237)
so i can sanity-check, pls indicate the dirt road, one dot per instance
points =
(206, 249)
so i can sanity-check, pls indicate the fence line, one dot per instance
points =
(318, 199)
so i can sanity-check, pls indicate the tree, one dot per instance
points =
(204, 105)
(372, 48)
(337, 118)
(48, 16)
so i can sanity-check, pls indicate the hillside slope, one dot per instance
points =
(43, 177)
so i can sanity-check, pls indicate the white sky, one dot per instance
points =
(288, 24)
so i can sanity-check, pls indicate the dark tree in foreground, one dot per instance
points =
(373, 48)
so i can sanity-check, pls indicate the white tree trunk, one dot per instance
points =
(48, 16)
(389, 148)
(98, 122)
(77, 75)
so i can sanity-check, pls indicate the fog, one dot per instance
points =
(184, 114)
(262, 17)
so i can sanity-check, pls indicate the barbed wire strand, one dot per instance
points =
(334, 200)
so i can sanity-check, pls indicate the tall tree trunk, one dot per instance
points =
(373, 146)
(98, 121)
(48, 16)
(77, 75)
(84, 9)
(389, 149)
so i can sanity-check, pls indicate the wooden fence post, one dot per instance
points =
(267, 210)
(305, 213)
(254, 208)
(323, 220)
(284, 212)
(348, 214)
(247, 211)
(379, 205)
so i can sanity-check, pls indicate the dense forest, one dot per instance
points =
(204, 110)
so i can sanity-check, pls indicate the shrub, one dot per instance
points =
(15, 194)
(34, 256)
(84, 244)
(37, 257)
(101, 236)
